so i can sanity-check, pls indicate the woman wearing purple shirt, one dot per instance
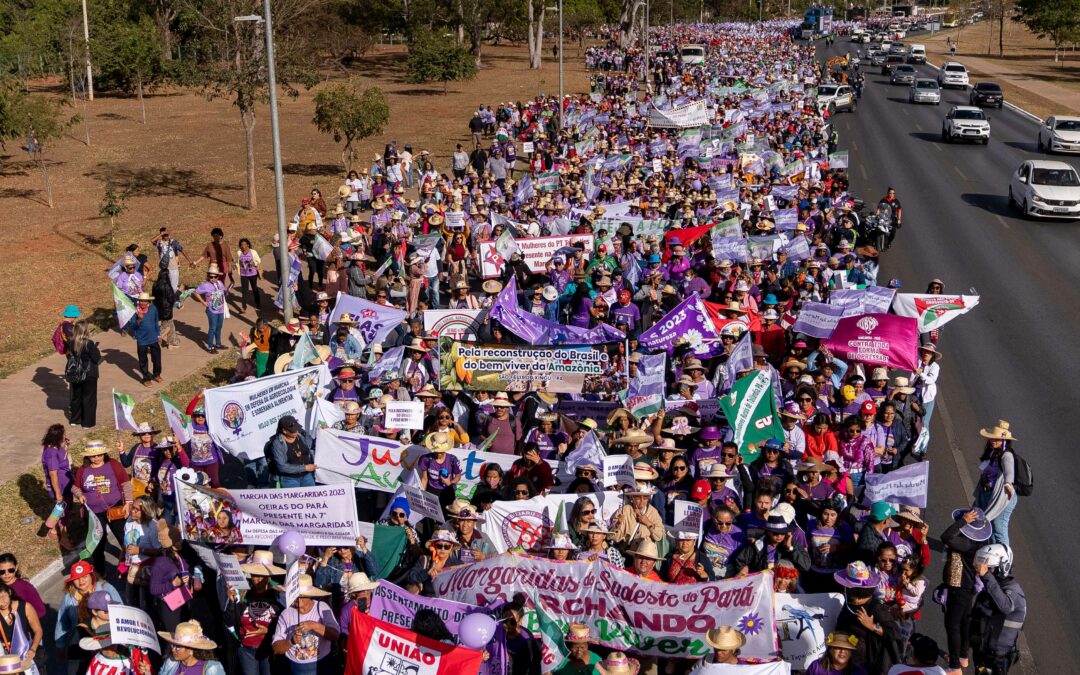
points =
(203, 453)
(439, 471)
(56, 464)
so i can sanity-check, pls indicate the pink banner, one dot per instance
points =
(877, 339)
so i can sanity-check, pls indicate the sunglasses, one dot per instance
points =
(521, 492)
(771, 450)
(731, 455)
(725, 523)
(679, 468)
(7, 570)
(398, 514)
(807, 399)
(588, 513)
(443, 547)
(886, 560)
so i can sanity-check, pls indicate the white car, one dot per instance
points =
(1045, 189)
(953, 74)
(692, 55)
(925, 90)
(836, 97)
(1060, 134)
(966, 123)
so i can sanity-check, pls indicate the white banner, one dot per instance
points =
(528, 524)
(460, 324)
(933, 311)
(693, 114)
(243, 416)
(324, 514)
(774, 668)
(423, 502)
(803, 622)
(536, 252)
(907, 485)
(623, 610)
(132, 627)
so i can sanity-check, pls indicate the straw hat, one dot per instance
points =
(561, 542)
(417, 345)
(359, 582)
(213, 270)
(12, 663)
(646, 548)
(902, 385)
(463, 510)
(145, 428)
(594, 528)
(999, 431)
(190, 634)
(644, 472)
(932, 349)
(144, 297)
(262, 565)
(439, 441)
(95, 448)
(502, 401)
(633, 437)
(308, 588)
(618, 663)
(492, 286)
(842, 640)
(344, 191)
(578, 632)
(725, 637)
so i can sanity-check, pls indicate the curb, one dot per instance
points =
(1012, 106)
(51, 570)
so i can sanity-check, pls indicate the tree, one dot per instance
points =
(112, 207)
(1058, 20)
(36, 119)
(536, 32)
(433, 58)
(349, 117)
(126, 49)
(232, 63)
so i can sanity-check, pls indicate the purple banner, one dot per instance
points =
(877, 339)
(817, 319)
(866, 300)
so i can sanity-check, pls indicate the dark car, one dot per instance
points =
(987, 94)
(891, 61)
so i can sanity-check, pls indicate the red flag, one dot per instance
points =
(685, 235)
(379, 647)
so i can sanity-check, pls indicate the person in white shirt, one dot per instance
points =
(406, 161)
(926, 377)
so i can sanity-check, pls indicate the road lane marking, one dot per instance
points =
(959, 172)
(862, 169)
(937, 146)
(1002, 221)
(854, 146)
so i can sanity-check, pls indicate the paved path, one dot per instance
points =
(37, 396)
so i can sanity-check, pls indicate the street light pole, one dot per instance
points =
(562, 119)
(86, 42)
(279, 182)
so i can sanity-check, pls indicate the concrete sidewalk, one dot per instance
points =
(37, 396)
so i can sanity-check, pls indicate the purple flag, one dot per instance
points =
(505, 310)
(687, 320)
(374, 322)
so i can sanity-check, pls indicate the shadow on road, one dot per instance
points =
(993, 203)
(1020, 145)
(927, 136)
(54, 386)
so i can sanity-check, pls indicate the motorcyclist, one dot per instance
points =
(889, 207)
(999, 613)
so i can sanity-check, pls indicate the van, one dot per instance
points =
(916, 53)
(692, 55)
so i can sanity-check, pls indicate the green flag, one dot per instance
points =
(750, 408)
(125, 309)
(179, 422)
(551, 636)
(123, 411)
(94, 535)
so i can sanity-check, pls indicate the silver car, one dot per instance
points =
(903, 74)
(925, 91)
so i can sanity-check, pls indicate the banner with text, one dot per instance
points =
(567, 369)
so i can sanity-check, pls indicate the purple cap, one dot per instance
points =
(711, 433)
(100, 600)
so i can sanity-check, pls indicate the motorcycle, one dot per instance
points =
(877, 231)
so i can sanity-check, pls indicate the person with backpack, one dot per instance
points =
(81, 373)
(165, 303)
(996, 493)
(290, 455)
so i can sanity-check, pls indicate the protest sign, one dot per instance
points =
(869, 300)
(527, 148)
(373, 321)
(571, 369)
(619, 470)
(693, 114)
(933, 311)
(292, 582)
(405, 415)
(593, 410)
(803, 622)
(528, 524)
(877, 339)
(535, 252)
(243, 416)
(688, 517)
(229, 570)
(381, 648)
(460, 324)
(455, 221)
(132, 627)
(818, 319)
(646, 392)
(621, 609)
(423, 502)
(907, 485)
(324, 514)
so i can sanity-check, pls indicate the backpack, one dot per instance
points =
(77, 369)
(1024, 477)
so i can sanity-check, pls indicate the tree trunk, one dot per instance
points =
(1001, 30)
(142, 103)
(536, 34)
(347, 156)
(45, 175)
(476, 39)
(247, 121)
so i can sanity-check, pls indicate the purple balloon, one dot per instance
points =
(476, 630)
(291, 542)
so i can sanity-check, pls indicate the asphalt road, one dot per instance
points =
(1010, 358)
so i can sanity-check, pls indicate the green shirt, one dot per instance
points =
(573, 669)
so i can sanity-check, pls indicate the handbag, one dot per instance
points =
(118, 512)
(176, 598)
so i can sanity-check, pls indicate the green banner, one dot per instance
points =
(751, 408)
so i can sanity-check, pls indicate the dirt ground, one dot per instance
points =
(185, 168)
(1031, 57)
